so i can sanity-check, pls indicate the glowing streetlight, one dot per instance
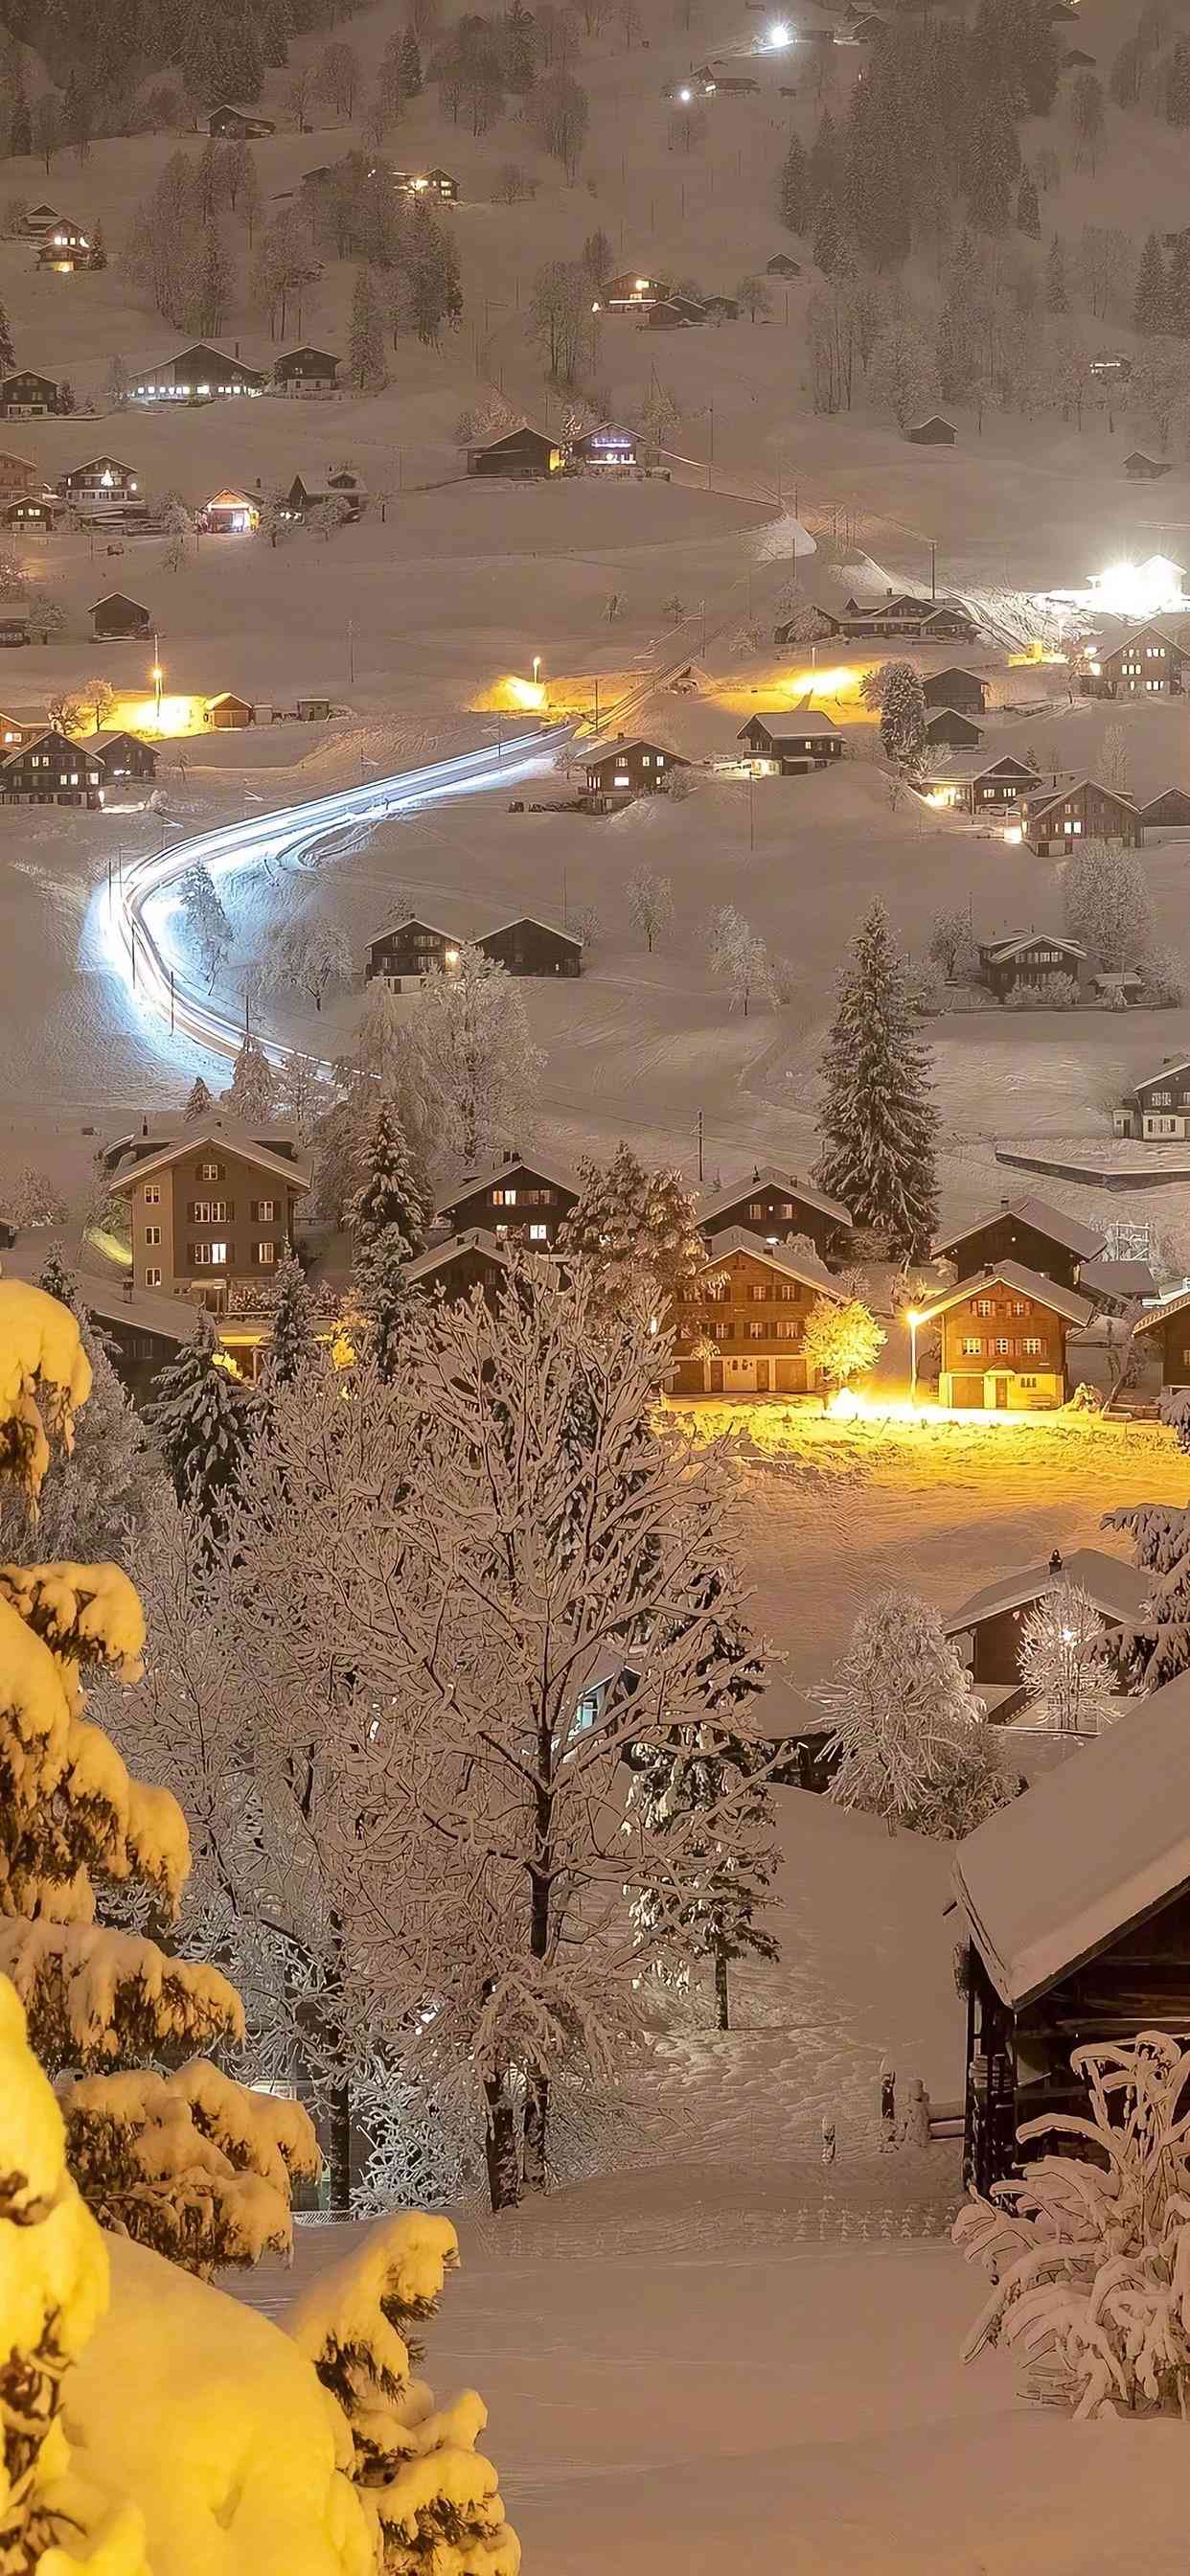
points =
(779, 35)
(685, 95)
(913, 1319)
(157, 675)
(536, 668)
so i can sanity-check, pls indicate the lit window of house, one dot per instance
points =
(152, 1278)
(152, 1194)
(971, 1347)
(152, 1234)
(265, 1255)
(210, 1256)
(539, 1234)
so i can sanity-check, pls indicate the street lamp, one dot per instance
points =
(536, 668)
(157, 675)
(913, 1320)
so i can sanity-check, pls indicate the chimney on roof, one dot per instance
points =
(1005, 1202)
(1056, 1561)
(144, 1126)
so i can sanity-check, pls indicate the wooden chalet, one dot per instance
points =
(454, 1270)
(1170, 810)
(122, 755)
(16, 729)
(954, 687)
(1004, 1335)
(1140, 468)
(209, 1205)
(48, 769)
(1030, 1232)
(630, 293)
(238, 124)
(116, 617)
(19, 477)
(524, 456)
(306, 372)
(675, 313)
(970, 783)
(1033, 958)
(531, 947)
(625, 770)
(1057, 819)
(1149, 663)
(67, 249)
(948, 728)
(721, 308)
(409, 951)
(197, 374)
(901, 617)
(427, 183)
(739, 1323)
(781, 265)
(26, 396)
(1075, 1903)
(777, 1207)
(517, 1202)
(934, 432)
(307, 493)
(605, 450)
(1164, 1333)
(37, 221)
(987, 1626)
(35, 511)
(787, 746)
(230, 514)
(1158, 1106)
(14, 626)
(229, 714)
(103, 485)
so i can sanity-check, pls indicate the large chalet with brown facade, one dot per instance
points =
(738, 1324)
(777, 1207)
(1149, 663)
(1030, 1232)
(410, 950)
(1029, 958)
(625, 770)
(787, 745)
(1004, 1335)
(1163, 1332)
(453, 1270)
(50, 769)
(1057, 819)
(210, 1206)
(517, 1202)
(902, 616)
(970, 783)
(1158, 1105)
(414, 949)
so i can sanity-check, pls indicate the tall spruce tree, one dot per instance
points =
(794, 195)
(389, 1194)
(1150, 310)
(1057, 293)
(1028, 216)
(879, 1122)
(200, 1418)
(1177, 86)
(1178, 287)
(292, 1341)
(380, 1284)
(410, 64)
(199, 1102)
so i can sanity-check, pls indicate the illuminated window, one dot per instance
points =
(152, 1194)
(210, 1256)
(504, 1198)
(152, 1278)
(539, 1234)
(1032, 1349)
(265, 1255)
(984, 1305)
(210, 1211)
(971, 1347)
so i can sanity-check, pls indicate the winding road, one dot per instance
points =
(135, 942)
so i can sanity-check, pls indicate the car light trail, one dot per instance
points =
(137, 945)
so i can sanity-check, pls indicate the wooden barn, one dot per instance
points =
(454, 1270)
(26, 396)
(122, 755)
(789, 745)
(955, 687)
(777, 1207)
(118, 618)
(950, 727)
(1075, 1906)
(198, 374)
(1026, 1230)
(238, 124)
(1170, 809)
(1032, 957)
(229, 714)
(524, 456)
(973, 784)
(308, 372)
(1140, 468)
(531, 947)
(934, 432)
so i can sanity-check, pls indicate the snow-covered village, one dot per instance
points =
(595, 1288)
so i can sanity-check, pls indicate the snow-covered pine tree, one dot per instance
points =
(903, 714)
(636, 1232)
(909, 1741)
(100, 1486)
(382, 1293)
(794, 192)
(291, 1341)
(253, 1087)
(1150, 313)
(1057, 293)
(1070, 1680)
(390, 1193)
(1028, 216)
(430, 2498)
(879, 1122)
(73, 1822)
(1160, 1645)
(200, 1418)
(199, 1102)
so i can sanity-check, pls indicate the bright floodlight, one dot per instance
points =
(685, 96)
(780, 35)
(1139, 590)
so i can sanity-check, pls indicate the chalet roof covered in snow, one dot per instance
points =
(1091, 1849)
(788, 724)
(468, 1183)
(1117, 1278)
(439, 1255)
(214, 1132)
(801, 1266)
(1156, 1316)
(964, 767)
(1014, 941)
(1045, 802)
(1117, 1589)
(1024, 1283)
(770, 1177)
(1083, 1240)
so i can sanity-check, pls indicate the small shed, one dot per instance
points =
(934, 432)
(525, 455)
(949, 724)
(781, 265)
(238, 124)
(229, 714)
(1171, 807)
(1140, 468)
(231, 514)
(116, 618)
(531, 947)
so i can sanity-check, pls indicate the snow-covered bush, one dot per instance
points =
(1090, 2255)
(30, 1198)
(1058, 993)
(432, 2499)
(910, 1741)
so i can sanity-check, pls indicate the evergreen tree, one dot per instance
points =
(366, 341)
(292, 1342)
(879, 1122)
(1177, 86)
(902, 714)
(1178, 287)
(200, 1102)
(389, 1194)
(200, 1418)
(94, 1492)
(829, 246)
(910, 1741)
(1057, 298)
(253, 1087)
(826, 168)
(1028, 216)
(992, 164)
(20, 131)
(410, 64)
(794, 197)
(383, 1295)
(1149, 312)
(637, 1231)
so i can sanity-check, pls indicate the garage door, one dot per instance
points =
(968, 1392)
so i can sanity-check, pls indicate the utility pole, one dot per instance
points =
(751, 809)
(351, 650)
(933, 570)
(565, 911)
(700, 1172)
(132, 927)
(171, 1001)
(597, 703)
